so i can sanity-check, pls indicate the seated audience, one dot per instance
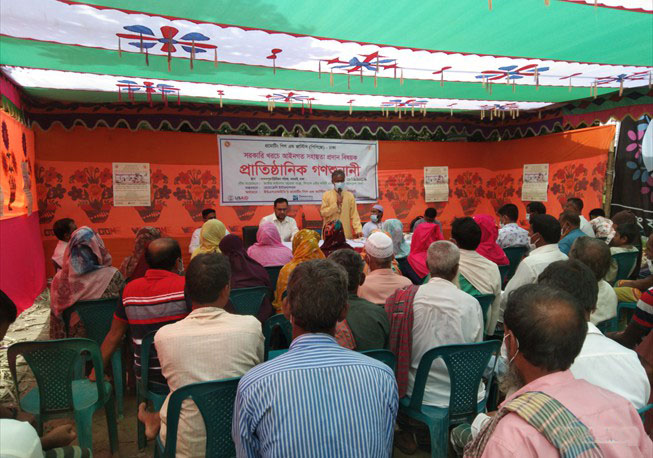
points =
(207, 214)
(376, 221)
(510, 234)
(381, 281)
(367, 321)
(212, 232)
(601, 361)
(209, 344)
(148, 303)
(596, 213)
(135, 265)
(488, 247)
(268, 249)
(245, 272)
(86, 274)
(534, 208)
(595, 254)
(641, 323)
(305, 246)
(62, 229)
(628, 217)
(285, 225)
(544, 234)
(631, 290)
(622, 242)
(575, 205)
(645, 352)
(395, 229)
(334, 238)
(545, 329)
(430, 215)
(318, 399)
(477, 274)
(425, 234)
(570, 225)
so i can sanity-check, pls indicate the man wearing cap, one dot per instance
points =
(382, 281)
(377, 216)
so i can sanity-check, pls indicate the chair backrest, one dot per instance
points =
(215, 401)
(625, 309)
(643, 410)
(485, 300)
(515, 254)
(248, 301)
(273, 272)
(625, 264)
(385, 356)
(609, 325)
(465, 363)
(53, 364)
(504, 271)
(96, 315)
(280, 321)
(249, 235)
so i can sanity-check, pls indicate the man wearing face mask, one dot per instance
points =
(570, 230)
(340, 204)
(375, 223)
(510, 234)
(534, 208)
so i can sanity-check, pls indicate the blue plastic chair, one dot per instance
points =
(215, 401)
(385, 356)
(248, 301)
(57, 394)
(485, 300)
(273, 272)
(643, 411)
(97, 316)
(515, 254)
(625, 264)
(465, 363)
(282, 323)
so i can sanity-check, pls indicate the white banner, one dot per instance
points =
(436, 184)
(257, 170)
(131, 184)
(536, 182)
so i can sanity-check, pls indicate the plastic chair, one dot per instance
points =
(144, 388)
(485, 300)
(625, 264)
(273, 272)
(515, 254)
(248, 301)
(625, 311)
(97, 316)
(276, 321)
(465, 363)
(609, 325)
(504, 271)
(57, 394)
(643, 410)
(215, 401)
(385, 356)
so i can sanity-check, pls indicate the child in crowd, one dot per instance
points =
(63, 229)
(622, 242)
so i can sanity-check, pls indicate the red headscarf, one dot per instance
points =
(425, 234)
(489, 247)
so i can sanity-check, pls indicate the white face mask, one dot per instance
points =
(528, 216)
(649, 263)
(340, 186)
(503, 353)
(374, 218)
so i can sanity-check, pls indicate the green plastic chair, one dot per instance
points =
(485, 300)
(504, 271)
(625, 264)
(57, 393)
(609, 325)
(515, 254)
(625, 311)
(643, 411)
(146, 389)
(465, 363)
(97, 316)
(276, 321)
(426, 279)
(273, 272)
(215, 401)
(385, 356)
(248, 301)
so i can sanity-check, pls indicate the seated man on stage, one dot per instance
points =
(286, 225)
(340, 204)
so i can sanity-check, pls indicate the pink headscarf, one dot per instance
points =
(268, 249)
(489, 247)
(425, 234)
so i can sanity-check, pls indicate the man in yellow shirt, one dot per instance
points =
(338, 203)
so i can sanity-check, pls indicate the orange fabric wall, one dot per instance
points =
(74, 175)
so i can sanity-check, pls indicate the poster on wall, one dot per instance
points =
(258, 170)
(131, 184)
(536, 182)
(436, 184)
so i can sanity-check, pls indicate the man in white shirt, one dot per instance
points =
(575, 205)
(602, 361)
(510, 234)
(544, 233)
(375, 223)
(63, 229)
(286, 225)
(595, 254)
(209, 344)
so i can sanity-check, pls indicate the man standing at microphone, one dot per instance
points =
(340, 204)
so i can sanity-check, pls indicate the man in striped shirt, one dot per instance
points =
(318, 399)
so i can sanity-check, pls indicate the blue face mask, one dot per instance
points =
(374, 218)
(340, 186)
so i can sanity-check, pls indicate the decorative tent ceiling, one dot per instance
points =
(499, 56)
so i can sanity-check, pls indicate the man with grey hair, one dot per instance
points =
(318, 398)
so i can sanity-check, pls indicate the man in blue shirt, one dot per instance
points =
(318, 399)
(570, 224)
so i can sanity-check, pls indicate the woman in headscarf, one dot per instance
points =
(213, 231)
(135, 265)
(268, 249)
(246, 272)
(305, 246)
(395, 229)
(334, 238)
(86, 274)
(489, 247)
(425, 234)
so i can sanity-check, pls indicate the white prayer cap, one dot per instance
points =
(379, 245)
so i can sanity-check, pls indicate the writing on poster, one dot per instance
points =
(131, 184)
(536, 182)
(436, 184)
